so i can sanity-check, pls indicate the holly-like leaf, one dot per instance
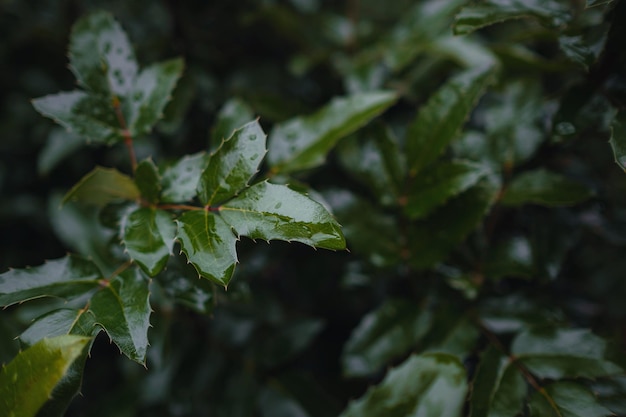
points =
(441, 118)
(233, 114)
(303, 142)
(431, 384)
(566, 399)
(234, 163)
(435, 186)
(180, 180)
(67, 278)
(80, 322)
(618, 139)
(544, 188)
(180, 282)
(209, 244)
(270, 211)
(102, 186)
(551, 13)
(149, 235)
(122, 308)
(382, 335)
(27, 382)
(148, 181)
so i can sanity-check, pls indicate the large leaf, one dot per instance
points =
(67, 277)
(148, 181)
(441, 118)
(433, 187)
(618, 139)
(180, 180)
(544, 188)
(26, 383)
(233, 114)
(209, 244)
(566, 399)
(231, 167)
(122, 308)
(102, 186)
(548, 12)
(148, 235)
(303, 142)
(424, 385)
(270, 211)
(382, 335)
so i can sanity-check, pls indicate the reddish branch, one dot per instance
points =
(128, 140)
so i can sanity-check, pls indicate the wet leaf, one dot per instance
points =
(544, 188)
(148, 181)
(60, 322)
(180, 180)
(102, 186)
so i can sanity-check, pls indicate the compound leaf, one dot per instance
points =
(566, 399)
(180, 180)
(102, 186)
(544, 188)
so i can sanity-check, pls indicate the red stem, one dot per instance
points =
(128, 139)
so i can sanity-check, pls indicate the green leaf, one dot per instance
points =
(433, 187)
(431, 384)
(233, 164)
(563, 353)
(59, 145)
(270, 211)
(618, 139)
(441, 118)
(149, 235)
(151, 91)
(382, 335)
(548, 12)
(566, 399)
(148, 181)
(303, 142)
(233, 114)
(82, 114)
(576, 49)
(544, 188)
(122, 308)
(80, 322)
(102, 186)
(511, 258)
(291, 338)
(101, 56)
(180, 282)
(592, 3)
(67, 277)
(28, 380)
(209, 244)
(180, 180)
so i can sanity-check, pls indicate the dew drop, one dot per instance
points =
(255, 156)
(278, 205)
(252, 137)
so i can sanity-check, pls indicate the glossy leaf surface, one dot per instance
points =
(270, 211)
(180, 180)
(60, 322)
(567, 399)
(430, 385)
(303, 142)
(544, 188)
(102, 186)
(148, 181)
(233, 164)
(209, 244)
(26, 383)
(148, 235)
(67, 277)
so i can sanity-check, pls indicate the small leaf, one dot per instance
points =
(548, 12)
(441, 118)
(27, 382)
(303, 142)
(148, 235)
(61, 322)
(269, 211)
(102, 186)
(233, 164)
(122, 308)
(431, 384)
(618, 139)
(435, 186)
(544, 188)
(148, 181)
(59, 145)
(209, 244)
(566, 399)
(180, 180)
(233, 114)
(67, 278)
(577, 50)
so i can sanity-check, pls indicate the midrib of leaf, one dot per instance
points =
(121, 306)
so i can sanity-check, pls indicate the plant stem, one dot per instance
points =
(128, 139)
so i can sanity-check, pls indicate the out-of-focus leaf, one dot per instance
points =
(234, 163)
(382, 335)
(82, 114)
(59, 145)
(577, 50)
(618, 139)
(563, 353)
(122, 308)
(180, 180)
(441, 118)
(433, 187)
(270, 211)
(451, 334)
(566, 399)
(514, 313)
(290, 339)
(102, 186)
(549, 12)
(303, 142)
(148, 180)
(592, 3)
(148, 235)
(209, 244)
(233, 114)
(66, 277)
(431, 384)
(27, 382)
(544, 188)
(465, 51)
(273, 403)
(513, 257)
